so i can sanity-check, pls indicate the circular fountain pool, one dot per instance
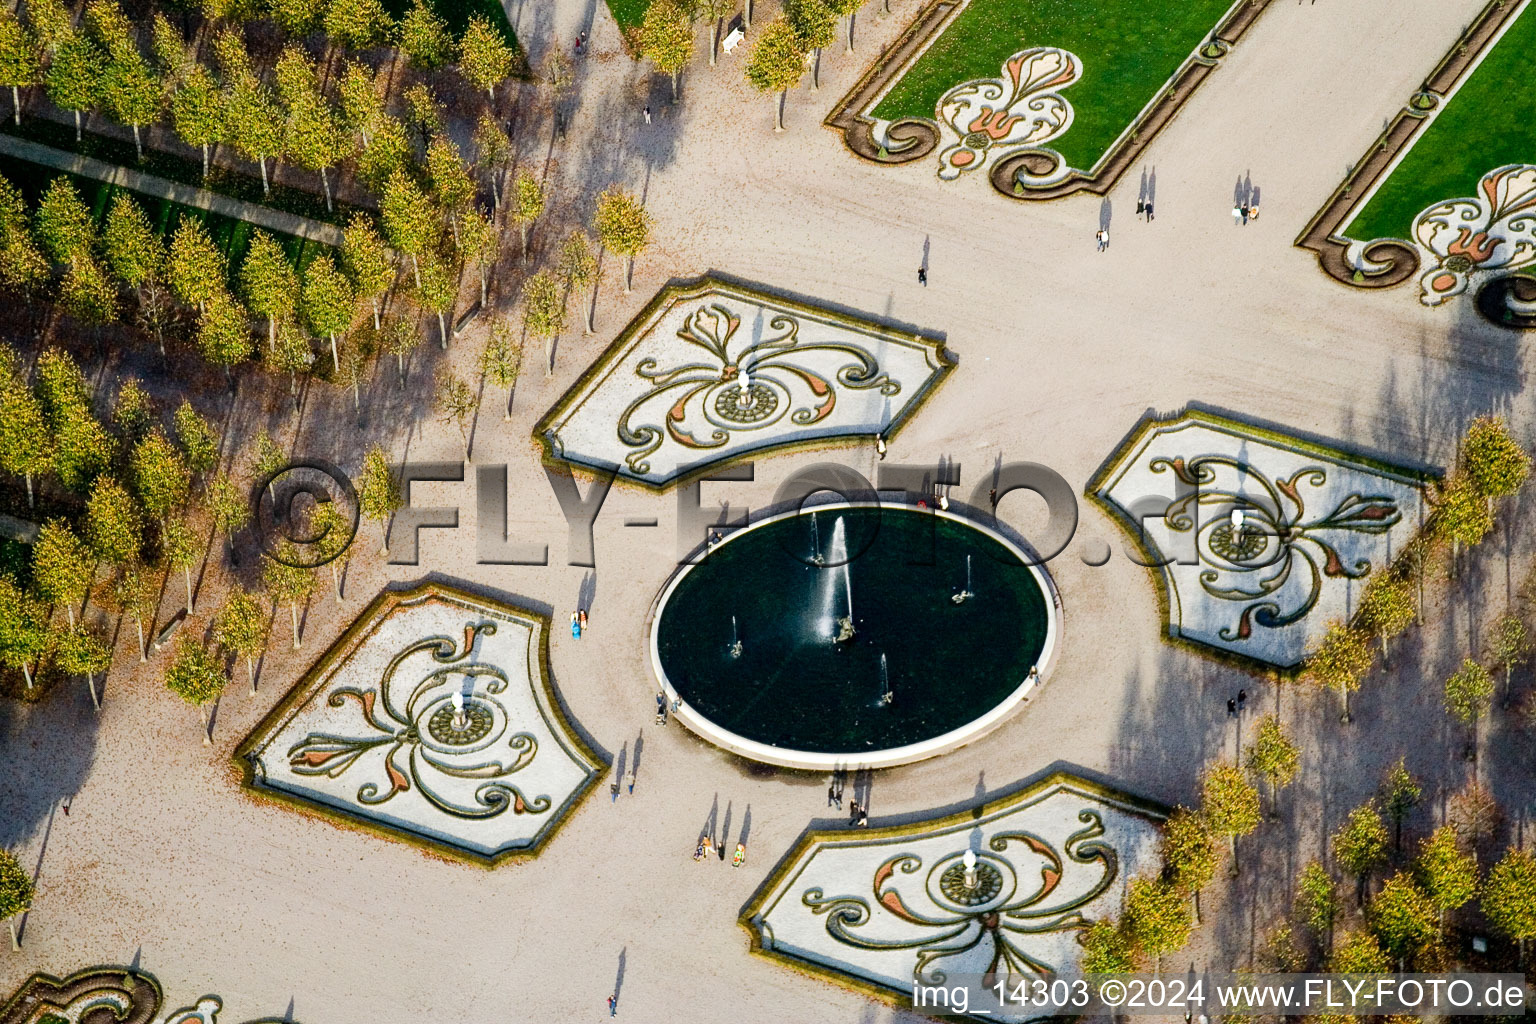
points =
(853, 635)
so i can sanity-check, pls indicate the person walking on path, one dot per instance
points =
(1237, 215)
(613, 1005)
(581, 617)
(630, 781)
(922, 276)
(1102, 237)
(661, 708)
(1231, 708)
(576, 625)
(698, 853)
(647, 114)
(740, 856)
(1149, 213)
(1244, 210)
(1253, 212)
(853, 813)
(831, 795)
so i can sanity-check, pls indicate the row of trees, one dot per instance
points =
(1492, 465)
(99, 66)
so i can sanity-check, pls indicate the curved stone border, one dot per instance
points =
(1391, 261)
(922, 135)
(753, 916)
(247, 755)
(124, 995)
(952, 740)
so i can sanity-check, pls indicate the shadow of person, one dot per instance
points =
(1105, 211)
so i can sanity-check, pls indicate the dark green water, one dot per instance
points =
(793, 687)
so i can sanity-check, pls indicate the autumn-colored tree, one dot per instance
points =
(485, 58)
(257, 127)
(328, 302)
(134, 252)
(1317, 901)
(181, 549)
(64, 223)
(713, 11)
(19, 66)
(410, 222)
(73, 78)
(479, 245)
(1508, 644)
(544, 313)
(815, 26)
(112, 523)
(198, 270)
(196, 676)
(129, 87)
(492, 151)
(623, 226)
(1156, 918)
(1474, 813)
(1229, 804)
(438, 290)
(366, 260)
(1340, 662)
(356, 24)
(82, 651)
(1400, 793)
(22, 266)
(132, 592)
(1386, 607)
(1446, 872)
(288, 583)
(1495, 463)
(401, 338)
(666, 38)
(776, 65)
(62, 566)
(23, 628)
(424, 37)
(456, 402)
(501, 359)
(1189, 853)
(1469, 695)
(846, 9)
(379, 493)
(1273, 756)
(26, 442)
(16, 894)
(1402, 917)
(578, 267)
(334, 530)
(230, 509)
(160, 476)
(527, 206)
(224, 332)
(241, 628)
(1462, 515)
(1107, 949)
(198, 438)
(1509, 897)
(1360, 844)
(269, 283)
(82, 448)
(197, 111)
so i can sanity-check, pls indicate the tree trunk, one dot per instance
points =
(336, 580)
(15, 942)
(205, 159)
(384, 537)
(250, 673)
(16, 102)
(442, 330)
(26, 671)
(335, 359)
(186, 572)
(207, 728)
(77, 127)
(484, 284)
(272, 333)
(592, 308)
(90, 686)
(816, 71)
(69, 609)
(510, 392)
(325, 183)
(1195, 896)
(30, 502)
(851, 16)
(464, 436)
(674, 88)
(138, 144)
(375, 301)
(778, 111)
(549, 356)
(629, 274)
(749, 14)
(143, 650)
(400, 357)
(495, 194)
(1236, 870)
(294, 609)
(714, 42)
(522, 227)
(1344, 694)
(416, 270)
(266, 189)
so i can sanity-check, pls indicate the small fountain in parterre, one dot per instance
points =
(967, 593)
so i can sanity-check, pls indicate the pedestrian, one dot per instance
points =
(880, 446)
(1102, 237)
(1105, 232)
(576, 625)
(698, 852)
(647, 114)
(1141, 207)
(582, 614)
(630, 779)
(853, 813)
(614, 791)
(740, 856)
(1244, 211)
(831, 795)
(863, 817)
(709, 846)
(1253, 212)
(1242, 698)
(661, 708)
(1231, 708)
(992, 497)
(1149, 213)
(922, 276)
(66, 802)
(613, 1005)
(1237, 215)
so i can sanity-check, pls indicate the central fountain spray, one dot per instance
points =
(965, 594)
(735, 647)
(885, 684)
(816, 557)
(831, 625)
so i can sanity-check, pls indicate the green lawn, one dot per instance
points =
(1490, 122)
(1129, 48)
(232, 236)
(628, 13)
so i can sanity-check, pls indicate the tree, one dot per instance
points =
(1494, 462)
(387, 152)
(62, 566)
(1360, 953)
(666, 38)
(133, 413)
(256, 123)
(501, 359)
(401, 338)
(334, 530)
(1386, 607)
(51, 22)
(623, 226)
(1400, 792)
(379, 493)
(425, 38)
(268, 282)
(23, 628)
(528, 205)
(82, 448)
(777, 64)
(456, 402)
(1446, 873)
(196, 676)
(492, 150)
(15, 893)
(197, 437)
(182, 550)
(410, 223)
(1272, 756)
(1106, 950)
(224, 332)
(133, 251)
(560, 75)
(112, 523)
(241, 627)
(161, 479)
(315, 139)
(130, 89)
(296, 17)
(22, 266)
(1509, 644)
(19, 65)
(328, 302)
(229, 508)
(578, 267)
(1189, 853)
(361, 108)
(1469, 695)
(437, 292)
(815, 26)
(349, 376)
(544, 313)
(449, 180)
(1360, 844)
(846, 9)
(86, 294)
(1156, 918)
(480, 243)
(1340, 662)
(198, 269)
(81, 651)
(64, 222)
(1509, 897)
(1474, 813)
(485, 59)
(26, 443)
(366, 260)
(1317, 900)
(73, 78)
(1402, 917)
(290, 584)
(715, 11)
(1230, 804)
(266, 459)
(197, 111)
(1462, 516)
(355, 24)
